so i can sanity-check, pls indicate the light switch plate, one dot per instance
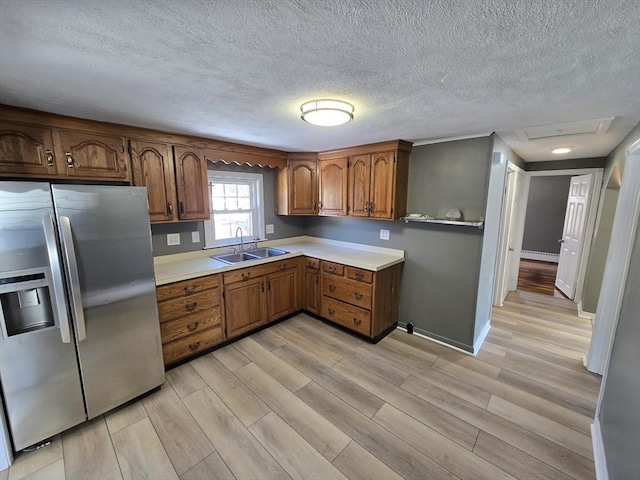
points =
(269, 228)
(195, 237)
(173, 239)
(384, 234)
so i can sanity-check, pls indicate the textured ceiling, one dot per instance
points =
(416, 70)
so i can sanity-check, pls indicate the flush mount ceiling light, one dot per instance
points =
(561, 150)
(326, 113)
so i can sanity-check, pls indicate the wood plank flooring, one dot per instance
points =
(307, 401)
(538, 277)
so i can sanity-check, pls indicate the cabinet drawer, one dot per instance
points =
(188, 287)
(347, 290)
(312, 263)
(181, 327)
(359, 274)
(259, 270)
(354, 318)
(333, 268)
(191, 345)
(190, 305)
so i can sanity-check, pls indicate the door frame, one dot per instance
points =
(521, 212)
(615, 272)
(507, 223)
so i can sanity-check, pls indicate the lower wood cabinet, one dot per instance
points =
(360, 300)
(191, 317)
(198, 314)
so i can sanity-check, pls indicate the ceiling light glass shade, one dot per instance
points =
(326, 113)
(561, 150)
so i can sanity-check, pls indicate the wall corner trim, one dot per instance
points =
(599, 458)
(480, 340)
(584, 314)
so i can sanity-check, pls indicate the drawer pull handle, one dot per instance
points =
(331, 311)
(358, 296)
(357, 321)
(359, 276)
(69, 159)
(246, 275)
(283, 266)
(194, 346)
(49, 155)
(189, 290)
(332, 270)
(191, 306)
(332, 288)
(192, 327)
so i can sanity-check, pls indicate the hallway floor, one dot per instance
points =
(302, 399)
(538, 277)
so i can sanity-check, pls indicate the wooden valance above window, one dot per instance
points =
(246, 155)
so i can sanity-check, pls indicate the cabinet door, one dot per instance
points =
(359, 185)
(26, 150)
(92, 156)
(332, 186)
(282, 294)
(191, 183)
(312, 290)
(303, 187)
(245, 306)
(152, 167)
(382, 181)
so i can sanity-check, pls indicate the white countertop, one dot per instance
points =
(184, 266)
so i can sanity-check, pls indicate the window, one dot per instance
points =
(235, 201)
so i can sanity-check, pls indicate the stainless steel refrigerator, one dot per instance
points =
(79, 320)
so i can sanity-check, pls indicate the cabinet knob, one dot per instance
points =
(69, 160)
(359, 276)
(181, 207)
(358, 296)
(194, 346)
(192, 327)
(170, 208)
(191, 306)
(189, 290)
(245, 275)
(331, 311)
(357, 321)
(283, 266)
(332, 288)
(49, 156)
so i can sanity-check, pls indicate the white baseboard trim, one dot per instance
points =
(584, 314)
(483, 334)
(542, 256)
(599, 457)
(436, 341)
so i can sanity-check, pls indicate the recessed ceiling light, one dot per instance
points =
(561, 150)
(327, 113)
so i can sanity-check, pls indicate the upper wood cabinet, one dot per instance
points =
(34, 151)
(26, 150)
(332, 186)
(191, 183)
(92, 156)
(297, 186)
(152, 167)
(371, 187)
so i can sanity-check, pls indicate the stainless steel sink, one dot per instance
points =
(232, 258)
(256, 254)
(266, 252)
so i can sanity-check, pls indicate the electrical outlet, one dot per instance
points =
(269, 228)
(384, 234)
(195, 237)
(173, 239)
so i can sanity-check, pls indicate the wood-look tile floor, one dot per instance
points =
(538, 277)
(305, 400)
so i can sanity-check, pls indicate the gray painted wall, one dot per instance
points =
(604, 222)
(440, 278)
(546, 209)
(620, 408)
(283, 226)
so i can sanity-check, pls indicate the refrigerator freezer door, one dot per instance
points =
(121, 355)
(38, 371)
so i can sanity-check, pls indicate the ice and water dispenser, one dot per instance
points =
(25, 302)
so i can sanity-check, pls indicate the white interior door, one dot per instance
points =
(506, 249)
(575, 226)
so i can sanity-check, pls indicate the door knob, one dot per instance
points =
(511, 249)
(561, 240)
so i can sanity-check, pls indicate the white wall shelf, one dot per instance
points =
(479, 224)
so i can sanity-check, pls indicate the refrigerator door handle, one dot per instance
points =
(57, 280)
(74, 279)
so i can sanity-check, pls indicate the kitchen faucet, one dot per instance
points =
(241, 239)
